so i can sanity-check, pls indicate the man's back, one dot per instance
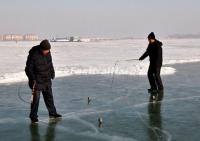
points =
(155, 53)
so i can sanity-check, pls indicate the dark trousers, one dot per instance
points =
(48, 99)
(154, 78)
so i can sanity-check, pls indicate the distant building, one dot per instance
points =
(71, 39)
(1, 37)
(18, 37)
(13, 37)
(7, 37)
(66, 39)
(31, 37)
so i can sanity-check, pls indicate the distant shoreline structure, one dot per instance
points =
(66, 39)
(185, 36)
(35, 37)
(19, 37)
(78, 39)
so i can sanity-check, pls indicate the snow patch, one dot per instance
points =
(69, 71)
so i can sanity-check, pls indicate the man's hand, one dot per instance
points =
(53, 76)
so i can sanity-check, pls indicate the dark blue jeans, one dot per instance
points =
(48, 99)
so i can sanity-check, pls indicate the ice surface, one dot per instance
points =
(127, 113)
(125, 108)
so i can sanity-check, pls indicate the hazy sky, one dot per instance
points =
(100, 18)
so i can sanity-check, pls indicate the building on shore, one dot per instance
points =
(13, 37)
(66, 39)
(19, 37)
(30, 37)
(1, 37)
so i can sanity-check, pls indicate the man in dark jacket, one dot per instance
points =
(39, 70)
(154, 51)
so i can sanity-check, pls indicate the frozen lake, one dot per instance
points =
(125, 108)
(127, 112)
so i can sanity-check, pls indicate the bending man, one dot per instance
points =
(39, 70)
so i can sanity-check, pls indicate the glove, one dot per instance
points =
(53, 76)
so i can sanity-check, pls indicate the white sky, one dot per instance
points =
(100, 18)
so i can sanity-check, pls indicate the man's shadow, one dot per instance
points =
(50, 131)
(155, 116)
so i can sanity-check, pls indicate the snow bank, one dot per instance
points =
(69, 71)
(96, 58)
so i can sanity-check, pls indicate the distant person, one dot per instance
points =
(39, 70)
(154, 51)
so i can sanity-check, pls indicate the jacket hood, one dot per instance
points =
(159, 43)
(34, 49)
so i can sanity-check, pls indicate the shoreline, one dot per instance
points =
(176, 66)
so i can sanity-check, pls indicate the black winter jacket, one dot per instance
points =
(154, 51)
(39, 68)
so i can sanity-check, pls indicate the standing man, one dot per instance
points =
(39, 70)
(154, 51)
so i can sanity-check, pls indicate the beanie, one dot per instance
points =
(151, 36)
(45, 45)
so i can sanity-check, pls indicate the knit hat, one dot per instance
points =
(45, 45)
(151, 36)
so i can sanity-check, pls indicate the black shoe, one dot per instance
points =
(34, 120)
(55, 116)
